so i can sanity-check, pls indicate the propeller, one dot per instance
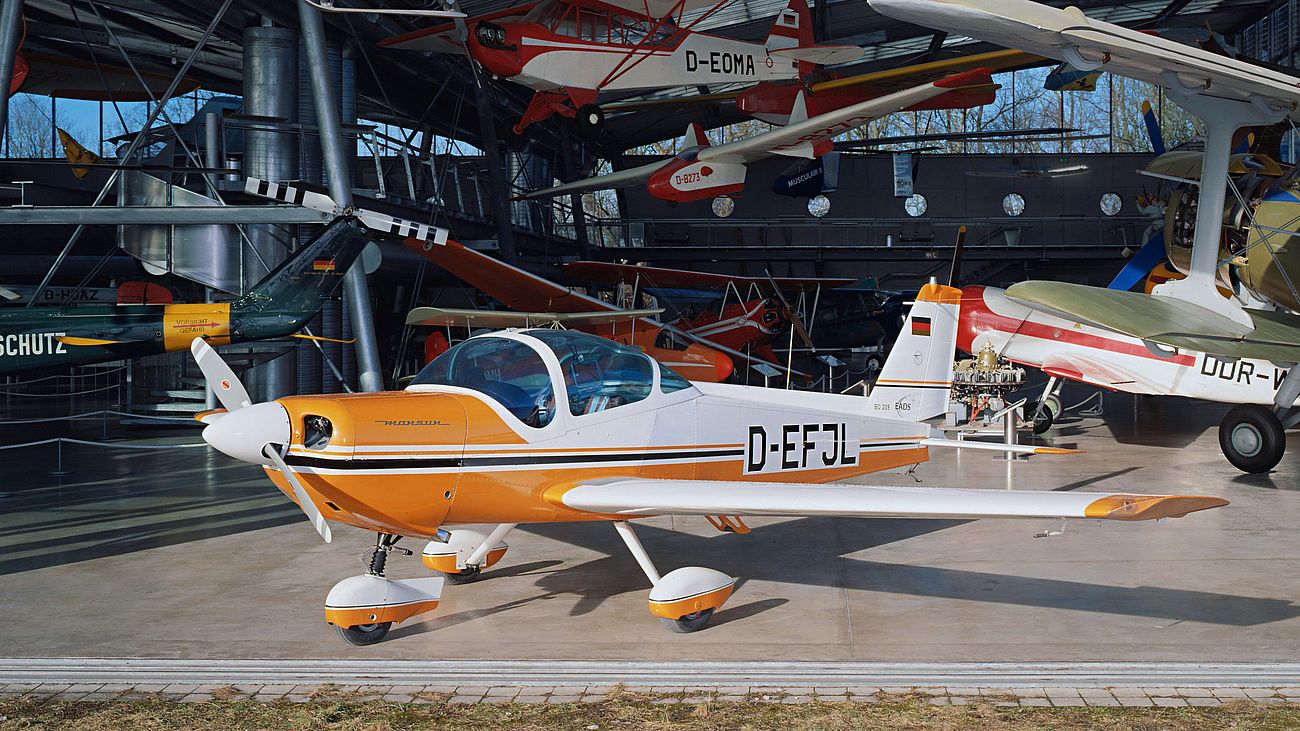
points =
(251, 432)
(230, 392)
(304, 500)
(791, 315)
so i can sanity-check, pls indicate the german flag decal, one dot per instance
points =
(322, 265)
(921, 326)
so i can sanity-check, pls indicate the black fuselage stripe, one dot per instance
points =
(383, 463)
(397, 463)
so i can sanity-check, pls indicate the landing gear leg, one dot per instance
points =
(1042, 412)
(685, 598)
(1253, 437)
(462, 554)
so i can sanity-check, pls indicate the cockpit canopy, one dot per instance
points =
(597, 374)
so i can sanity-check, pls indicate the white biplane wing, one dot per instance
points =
(444, 316)
(1087, 44)
(647, 497)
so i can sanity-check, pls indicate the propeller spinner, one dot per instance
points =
(251, 432)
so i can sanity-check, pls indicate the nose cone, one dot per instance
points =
(243, 433)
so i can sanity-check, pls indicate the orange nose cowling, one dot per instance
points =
(392, 461)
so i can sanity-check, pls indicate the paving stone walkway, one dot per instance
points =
(940, 696)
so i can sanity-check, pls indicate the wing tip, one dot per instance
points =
(1058, 450)
(1150, 507)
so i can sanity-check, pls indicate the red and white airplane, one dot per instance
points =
(1066, 349)
(569, 51)
(704, 171)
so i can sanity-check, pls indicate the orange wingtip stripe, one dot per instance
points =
(1057, 450)
(1150, 507)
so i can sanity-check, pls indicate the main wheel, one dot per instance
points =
(1252, 438)
(464, 577)
(1043, 418)
(1053, 405)
(690, 623)
(364, 634)
(589, 121)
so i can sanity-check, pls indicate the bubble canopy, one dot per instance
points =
(517, 369)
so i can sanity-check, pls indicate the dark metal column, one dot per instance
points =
(11, 22)
(336, 168)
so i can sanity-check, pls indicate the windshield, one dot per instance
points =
(599, 374)
(508, 371)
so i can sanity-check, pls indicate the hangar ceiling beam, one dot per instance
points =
(369, 376)
(166, 215)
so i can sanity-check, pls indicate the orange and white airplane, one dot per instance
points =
(540, 426)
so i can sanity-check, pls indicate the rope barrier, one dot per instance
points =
(101, 412)
(60, 395)
(110, 445)
(66, 375)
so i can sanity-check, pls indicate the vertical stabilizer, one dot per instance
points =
(792, 28)
(917, 377)
(695, 135)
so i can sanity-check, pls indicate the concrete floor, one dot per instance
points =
(185, 553)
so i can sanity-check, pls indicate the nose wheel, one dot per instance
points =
(363, 608)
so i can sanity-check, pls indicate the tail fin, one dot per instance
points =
(917, 376)
(793, 28)
(311, 275)
(695, 135)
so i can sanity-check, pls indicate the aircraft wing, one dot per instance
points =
(1096, 371)
(874, 83)
(1071, 36)
(444, 37)
(512, 286)
(1171, 322)
(443, 317)
(610, 273)
(647, 497)
(798, 139)
(617, 179)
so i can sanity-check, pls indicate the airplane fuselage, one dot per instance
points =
(42, 337)
(533, 55)
(1101, 357)
(410, 462)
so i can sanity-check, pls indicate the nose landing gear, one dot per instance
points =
(363, 608)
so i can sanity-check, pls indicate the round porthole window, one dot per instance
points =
(916, 205)
(819, 205)
(1112, 204)
(1013, 205)
(723, 206)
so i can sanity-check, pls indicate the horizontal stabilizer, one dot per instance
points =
(995, 447)
(821, 55)
(646, 497)
(70, 340)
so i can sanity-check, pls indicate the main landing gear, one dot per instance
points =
(685, 598)
(363, 608)
(1047, 409)
(461, 555)
(1252, 436)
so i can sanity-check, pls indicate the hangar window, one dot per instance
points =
(916, 205)
(1013, 205)
(508, 371)
(599, 374)
(1112, 204)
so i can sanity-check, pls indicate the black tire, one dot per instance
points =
(507, 136)
(690, 623)
(1043, 418)
(1252, 438)
(464, 577)
(589, 122)
(364, 634)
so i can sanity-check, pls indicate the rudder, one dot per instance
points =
(915, 382)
